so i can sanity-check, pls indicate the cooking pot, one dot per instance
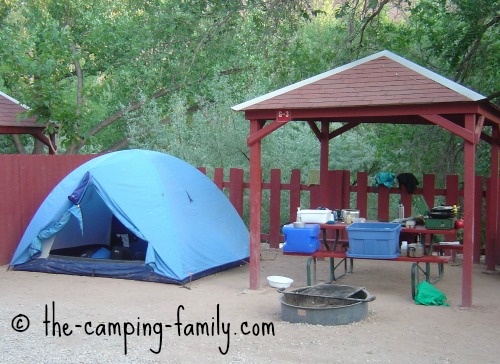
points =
(349, 214)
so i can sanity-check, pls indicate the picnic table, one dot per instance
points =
(338, 250)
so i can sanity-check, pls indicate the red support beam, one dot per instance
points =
(255, 202)
(478, 200)
(323, 164)
(463, 133)
(492, 202)
(264, 131)
(469, 211)
(343, 129)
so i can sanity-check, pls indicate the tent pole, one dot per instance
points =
(255, 206)
(469, 213)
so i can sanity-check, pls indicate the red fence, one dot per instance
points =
(26, 180)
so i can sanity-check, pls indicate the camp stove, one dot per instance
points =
(439, 217)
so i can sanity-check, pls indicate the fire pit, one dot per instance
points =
(325, 304)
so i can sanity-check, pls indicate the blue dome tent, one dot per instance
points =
(134, 214)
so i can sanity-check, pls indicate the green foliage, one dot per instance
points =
(163, 74)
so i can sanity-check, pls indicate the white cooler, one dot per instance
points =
(315, 216)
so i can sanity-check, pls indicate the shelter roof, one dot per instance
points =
(382, 79)
(10, 109)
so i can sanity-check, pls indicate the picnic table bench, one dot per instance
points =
(415, 269)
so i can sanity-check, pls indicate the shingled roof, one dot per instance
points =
(10, 109)
(381, 79)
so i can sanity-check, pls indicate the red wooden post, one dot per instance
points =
(219, 177)
(323, 163)
(405, 199)
(469, 212)
(383, 203)
(275, 208)
(236, 189)
(491, 224)
(496, 250)
(315, 196)
(476, 257)
(255, 205)
(452, 195)
(346, 188)
(362, 194)
(336, 190)
(294, 193)
(492, 201)
(428, 186)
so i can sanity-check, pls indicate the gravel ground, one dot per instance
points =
(75, 319)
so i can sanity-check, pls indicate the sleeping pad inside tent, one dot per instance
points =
(134, 214)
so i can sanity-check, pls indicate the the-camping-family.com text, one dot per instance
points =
(127, 330)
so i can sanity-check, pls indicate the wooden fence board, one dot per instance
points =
(275, 205)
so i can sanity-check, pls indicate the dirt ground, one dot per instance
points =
(75, 319)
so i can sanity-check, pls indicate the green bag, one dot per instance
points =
(429, 295)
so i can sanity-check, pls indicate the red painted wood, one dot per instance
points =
(28, 180)
(490, 207)
(452, 198)
(294, 193)
(367, 114)
(255, 206)
(429, 184)
(383, 203)
(323, 164)
(469, 213)
(478, 214)
(496, 251)
(450, 126)
(266, 130)
(219, 177)
(452, 190)
(275, 208)
(346, 188)
(492, 245)
(342, 255)
(336, 190)
(236, 189)
(362, 193)
(10, 226)
(406, 200)
(314, 197)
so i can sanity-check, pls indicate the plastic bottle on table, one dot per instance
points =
(404, 248)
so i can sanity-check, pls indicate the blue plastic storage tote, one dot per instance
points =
(301, 240)
(378, 240)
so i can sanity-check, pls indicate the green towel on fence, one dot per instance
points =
(429, 295)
